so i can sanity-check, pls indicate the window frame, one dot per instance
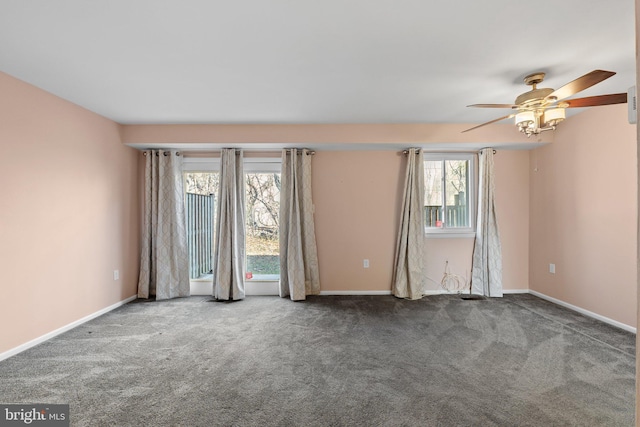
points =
(259, 284)
(262, 165)
(201, 164)
(457, 232)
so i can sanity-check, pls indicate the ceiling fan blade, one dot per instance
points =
(493, 106)
(593, 101)
(488, 123)
(581, 83)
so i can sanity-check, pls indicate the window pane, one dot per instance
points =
(262, 212)
(433, 193)
(456, 181)
(201, 189)
(448, 180)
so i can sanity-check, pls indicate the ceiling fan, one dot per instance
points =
(539, 110)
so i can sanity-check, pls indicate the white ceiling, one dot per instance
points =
(310, 61)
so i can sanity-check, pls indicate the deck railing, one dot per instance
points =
(199, 219)
(456, 216)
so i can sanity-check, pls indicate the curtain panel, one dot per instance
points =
(486, 275)
(229, 252)
(408, 272)
(164, 261)
(299, 272)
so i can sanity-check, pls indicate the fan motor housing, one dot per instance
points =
(534, 97)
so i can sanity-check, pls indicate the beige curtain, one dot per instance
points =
(164, 261)
(486, 275)
(299, 273)
(229, 252)
(408, 275)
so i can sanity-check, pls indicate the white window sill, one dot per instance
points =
(450, 235)
(255, 278)
(264, 278)
(205, 278)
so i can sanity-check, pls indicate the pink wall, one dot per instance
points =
(512, 211)
(584, 214)
(357, 195)
(69, 213)
(423, 134)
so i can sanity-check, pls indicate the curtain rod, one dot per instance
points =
(166, 153)
(309, 152)
(419, 149)
(178, 153)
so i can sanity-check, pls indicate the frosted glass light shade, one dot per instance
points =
(524, 118)
(553, 116)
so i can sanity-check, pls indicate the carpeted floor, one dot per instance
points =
(334, 361)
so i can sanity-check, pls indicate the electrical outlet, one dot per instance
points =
(116, 274)
(552, 268)
(365, 263)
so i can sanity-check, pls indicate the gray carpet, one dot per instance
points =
(334, 361)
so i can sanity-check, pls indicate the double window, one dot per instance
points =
(262, 206)
(448, 196)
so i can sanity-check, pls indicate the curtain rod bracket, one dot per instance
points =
(309, 152)
(166, 153)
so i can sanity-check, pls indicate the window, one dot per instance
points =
(201, 179)
(448, 197)
(262, 211)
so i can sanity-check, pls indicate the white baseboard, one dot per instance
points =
(63, 329)
(355, 292)
(585, 312)
(426, 292)
(466, 292)
(442, 292)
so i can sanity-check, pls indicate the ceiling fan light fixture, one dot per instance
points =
(540, 110)
(553, 116)
(524, 118)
